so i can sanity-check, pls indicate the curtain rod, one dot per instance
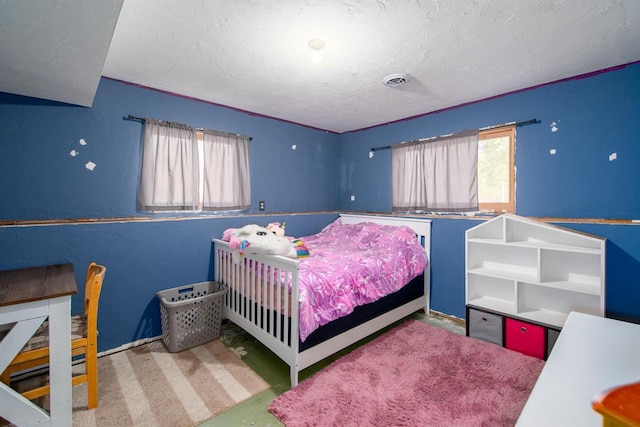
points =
(516, 124)
(142, 120)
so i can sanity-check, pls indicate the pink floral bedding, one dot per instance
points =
(352, 265)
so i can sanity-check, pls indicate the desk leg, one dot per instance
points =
(60, 361)
(19, 410)
(28, 317)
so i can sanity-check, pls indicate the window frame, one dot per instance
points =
(510, 132)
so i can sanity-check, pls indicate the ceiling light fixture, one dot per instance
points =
(316, 46)
(395, 80)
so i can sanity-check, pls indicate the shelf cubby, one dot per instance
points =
(553, 305)
(492, 230)
(489, 291)
(503, 260)
(529, 230)
(577, 267)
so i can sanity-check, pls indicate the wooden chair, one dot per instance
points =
(84, 341)
(620, 406)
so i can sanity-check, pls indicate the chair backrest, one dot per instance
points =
(93, 287)
(619, 405)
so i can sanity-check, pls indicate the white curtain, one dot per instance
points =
(169, 176)
(437, 175)
(226, 172)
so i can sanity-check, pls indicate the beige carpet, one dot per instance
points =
(149, 386)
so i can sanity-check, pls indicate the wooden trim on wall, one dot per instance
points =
(74, 221)
(487, 216)
(588, 220)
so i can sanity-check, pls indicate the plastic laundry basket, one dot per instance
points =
(191, 315)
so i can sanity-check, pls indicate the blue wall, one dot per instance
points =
(142, 258)
(594, 117)
(42, 181)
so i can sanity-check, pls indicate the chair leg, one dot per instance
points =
(5, 377)
(91, 361)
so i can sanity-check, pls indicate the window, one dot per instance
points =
(465, 172)
(496, 169)
(436, 174)
(169, 175)
(185, 169)
(225, 176)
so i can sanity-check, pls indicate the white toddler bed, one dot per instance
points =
(252, 299)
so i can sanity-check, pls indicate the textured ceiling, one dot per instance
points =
(55, 49)
(253, 55)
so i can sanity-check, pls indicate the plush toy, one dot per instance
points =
(276, 228)
(254, 239)
(270, 240)
(226, 236)
(301, 250)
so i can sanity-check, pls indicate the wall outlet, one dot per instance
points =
(261, 205)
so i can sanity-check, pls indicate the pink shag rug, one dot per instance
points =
(415, 374)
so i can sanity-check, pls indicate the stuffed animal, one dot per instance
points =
(301, 249)
(226, 236)
(254, 239)
(276, 228)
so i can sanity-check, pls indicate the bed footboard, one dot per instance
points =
(256, 299)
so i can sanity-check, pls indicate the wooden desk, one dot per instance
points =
(27, 298)
(591, 355)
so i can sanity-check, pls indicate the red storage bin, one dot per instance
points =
(525, 338)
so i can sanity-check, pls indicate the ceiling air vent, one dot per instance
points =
(395, 80)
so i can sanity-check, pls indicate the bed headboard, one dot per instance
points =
(422, 227)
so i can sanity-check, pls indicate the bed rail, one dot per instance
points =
(257, 299)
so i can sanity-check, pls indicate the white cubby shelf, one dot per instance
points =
(533, 270)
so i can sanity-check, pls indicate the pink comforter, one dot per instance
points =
(352, 265)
